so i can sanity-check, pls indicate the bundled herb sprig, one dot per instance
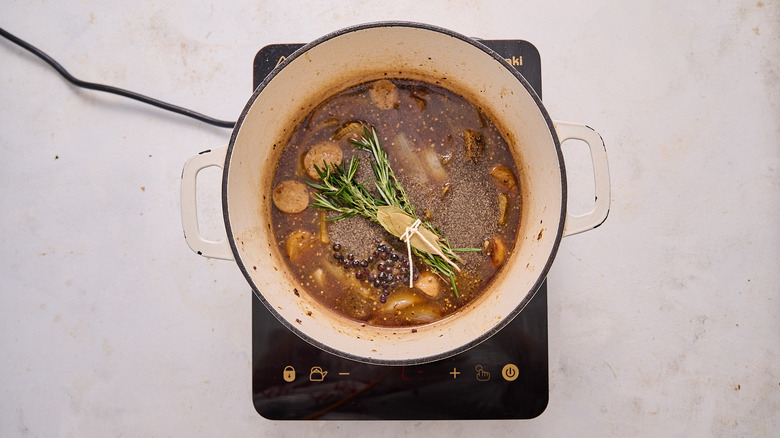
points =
(340, 192)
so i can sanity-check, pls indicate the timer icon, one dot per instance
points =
(510, 372)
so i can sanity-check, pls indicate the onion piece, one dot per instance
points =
(433, 166)
(423, 165)
(408, 160)
(401, 299)
(297, 242)
(420, 314)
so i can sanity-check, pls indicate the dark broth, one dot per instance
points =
(444, 151)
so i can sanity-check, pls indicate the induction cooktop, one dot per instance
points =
(504, 377)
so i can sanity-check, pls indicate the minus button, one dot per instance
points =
(343, 374)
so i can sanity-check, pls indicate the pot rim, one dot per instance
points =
(542, 272)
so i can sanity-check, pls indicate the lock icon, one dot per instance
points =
(288, 374)
(317, 375)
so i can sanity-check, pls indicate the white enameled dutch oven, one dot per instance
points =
(355, 55)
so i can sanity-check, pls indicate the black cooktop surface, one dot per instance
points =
(504, 377)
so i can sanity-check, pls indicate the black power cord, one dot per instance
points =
(114, 90)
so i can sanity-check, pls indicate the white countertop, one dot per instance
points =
(662, 322)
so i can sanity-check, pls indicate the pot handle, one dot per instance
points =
(598, 156)
(217, 249)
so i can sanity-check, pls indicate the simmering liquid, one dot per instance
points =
(456, 169)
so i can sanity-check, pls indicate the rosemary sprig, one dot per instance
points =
(340, 192)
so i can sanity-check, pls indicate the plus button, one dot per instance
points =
(454, 373)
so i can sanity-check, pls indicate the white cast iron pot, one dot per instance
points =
(355, 55)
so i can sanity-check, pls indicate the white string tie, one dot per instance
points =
(410, 231)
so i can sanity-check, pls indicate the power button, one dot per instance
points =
(510, 372)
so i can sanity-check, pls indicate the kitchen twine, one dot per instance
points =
(410, 231)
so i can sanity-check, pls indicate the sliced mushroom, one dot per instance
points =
(497, 251)
(352, 130)
(322, 155)
(503, 176)
(291, 196)
(429, 284)
(474, 145)
(297, 242)
(384, 94)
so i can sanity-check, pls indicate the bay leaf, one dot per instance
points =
(386, 216)
(396, 221)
